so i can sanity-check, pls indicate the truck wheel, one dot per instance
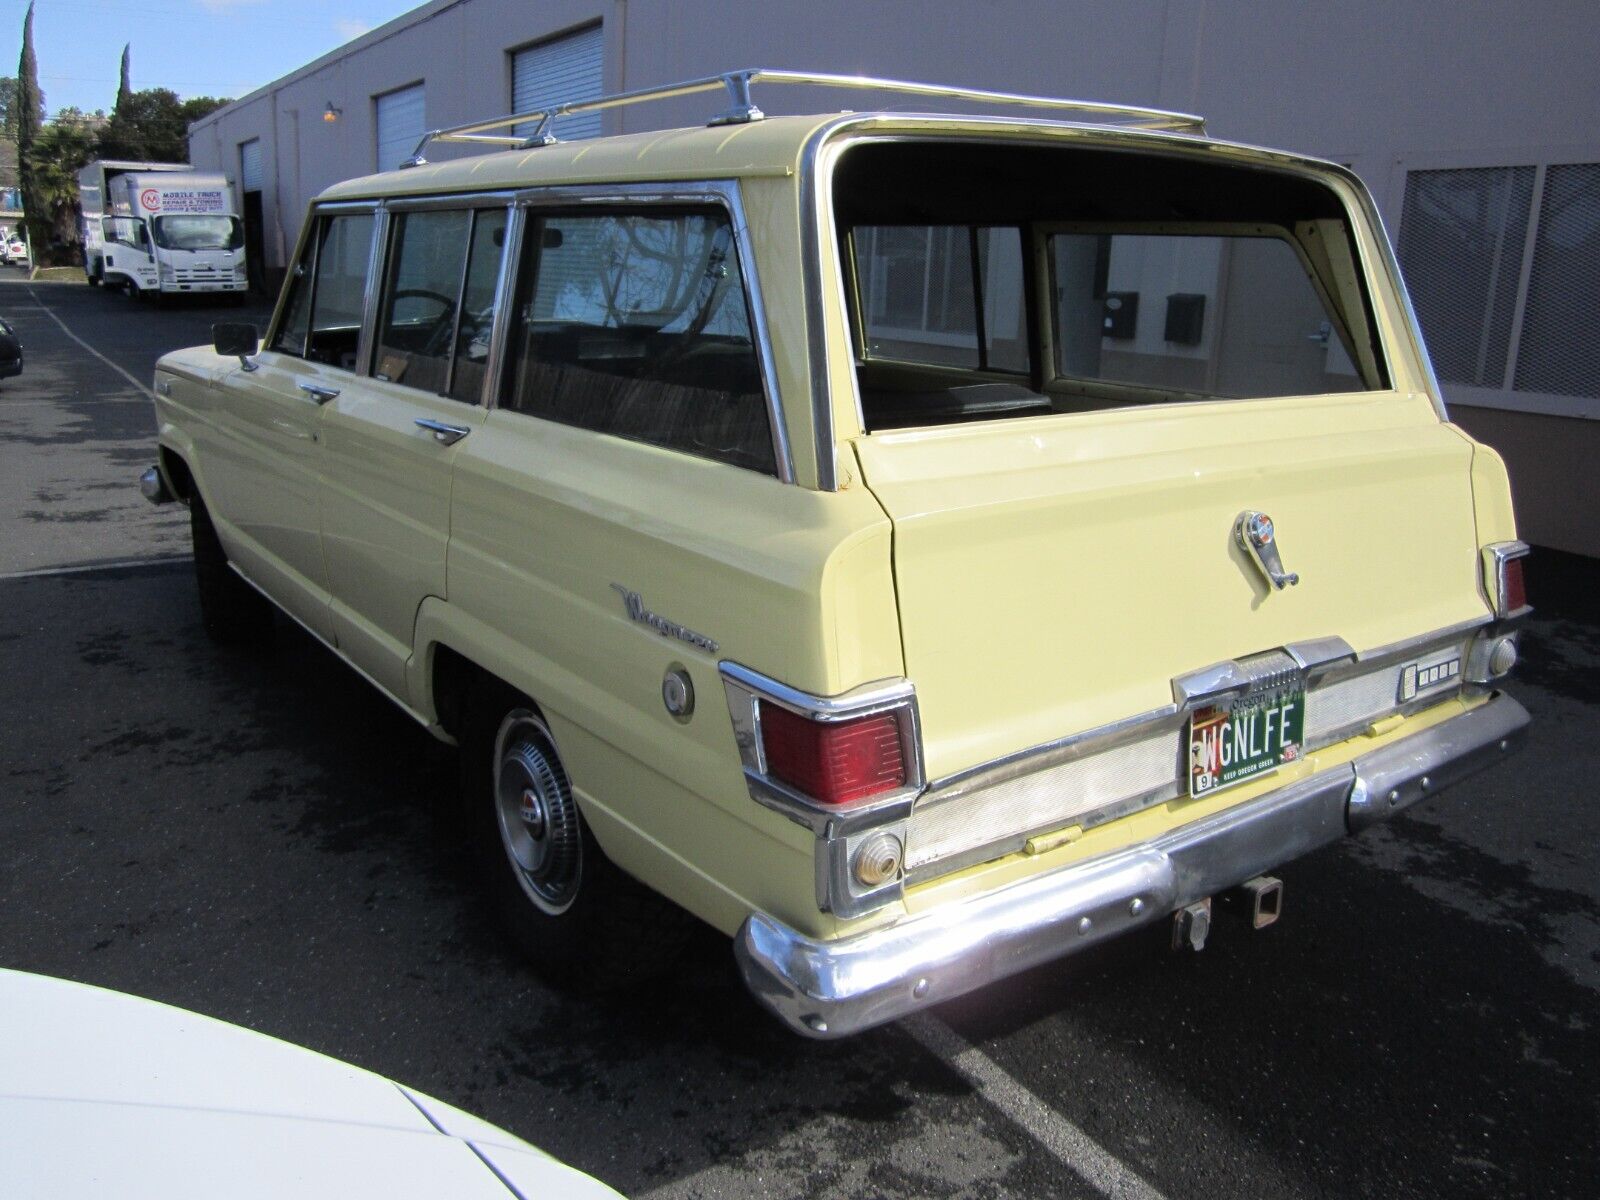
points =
(94, 278)
(233, 612)
(570, 911)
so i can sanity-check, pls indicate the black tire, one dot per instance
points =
(233, 613)
(578, 919)
(93, 278)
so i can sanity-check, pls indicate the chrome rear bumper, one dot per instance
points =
(833, 989)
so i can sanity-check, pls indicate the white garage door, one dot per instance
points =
(250, 166)
(401, 124)
(556, 72)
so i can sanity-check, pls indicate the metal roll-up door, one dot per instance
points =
(401, 124)
(558, 72)
(250, 166)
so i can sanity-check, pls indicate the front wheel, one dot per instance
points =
(232, 612)
(565, 905)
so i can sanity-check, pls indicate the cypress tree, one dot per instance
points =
(30, 112)
(124, 87)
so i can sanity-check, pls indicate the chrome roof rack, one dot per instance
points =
(742, 109)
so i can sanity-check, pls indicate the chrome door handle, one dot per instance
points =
(318, 393)
(445, 435)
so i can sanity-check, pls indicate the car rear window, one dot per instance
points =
(991, 280)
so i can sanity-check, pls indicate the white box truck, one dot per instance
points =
(160, 229)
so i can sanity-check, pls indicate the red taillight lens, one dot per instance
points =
(834, 762)
(1513, 594)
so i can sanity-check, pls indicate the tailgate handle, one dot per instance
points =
(1256, 535)
(445, 435)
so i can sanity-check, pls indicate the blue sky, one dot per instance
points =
(194, 47)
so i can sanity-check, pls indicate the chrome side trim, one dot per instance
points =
(836, 988)
(1324, 660)
(1039, 791)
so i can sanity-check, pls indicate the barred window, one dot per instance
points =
(1503, 266)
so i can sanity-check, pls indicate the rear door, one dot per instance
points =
(389, 444)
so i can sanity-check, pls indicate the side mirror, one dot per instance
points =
(238, 339)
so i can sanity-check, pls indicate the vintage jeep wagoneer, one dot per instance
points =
(920, 546)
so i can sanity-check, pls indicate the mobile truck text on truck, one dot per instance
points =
(160, 229)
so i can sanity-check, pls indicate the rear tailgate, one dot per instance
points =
(1055, 574)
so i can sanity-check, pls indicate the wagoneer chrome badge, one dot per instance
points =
(638, 612)
(1255, 533)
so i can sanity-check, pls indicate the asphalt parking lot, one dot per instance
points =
(260, 837)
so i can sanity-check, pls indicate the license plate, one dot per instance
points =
(1228, 745)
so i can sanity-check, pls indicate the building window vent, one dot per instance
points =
(1503, 265)
(1560, 346)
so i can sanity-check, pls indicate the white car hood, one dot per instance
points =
(107, 1094)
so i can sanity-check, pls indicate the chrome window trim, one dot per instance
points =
(1498, 555)
(377, 263)
(318, 210)
(448, 200)
(505, 288)
(274, 323)
(721, 193)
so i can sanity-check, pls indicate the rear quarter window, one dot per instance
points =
(635, 324)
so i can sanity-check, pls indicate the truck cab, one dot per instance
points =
(161, 229)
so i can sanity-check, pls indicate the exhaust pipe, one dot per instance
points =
(1260, 899)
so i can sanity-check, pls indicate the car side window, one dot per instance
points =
(322, 316)
(438, 300)
(635, 324)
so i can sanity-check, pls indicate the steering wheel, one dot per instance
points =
(437, 342)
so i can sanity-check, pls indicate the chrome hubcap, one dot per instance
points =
(537, 816)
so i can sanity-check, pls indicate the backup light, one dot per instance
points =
(833, 762)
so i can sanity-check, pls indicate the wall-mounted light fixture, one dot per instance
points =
(332, 114)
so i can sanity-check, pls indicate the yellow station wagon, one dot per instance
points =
(919, 545)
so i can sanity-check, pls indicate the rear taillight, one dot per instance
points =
(1502, 568)
(833, 762)
(1513, 594)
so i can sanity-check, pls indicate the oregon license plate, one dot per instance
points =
(1228, 745)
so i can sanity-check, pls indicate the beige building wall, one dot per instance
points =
(1385, 86)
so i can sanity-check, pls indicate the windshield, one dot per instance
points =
(198, 233)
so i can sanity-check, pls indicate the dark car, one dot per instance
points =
(10, 351)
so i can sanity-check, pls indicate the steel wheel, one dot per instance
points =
(536, 814)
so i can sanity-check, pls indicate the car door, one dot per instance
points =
(264, 472)
(389, 446)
